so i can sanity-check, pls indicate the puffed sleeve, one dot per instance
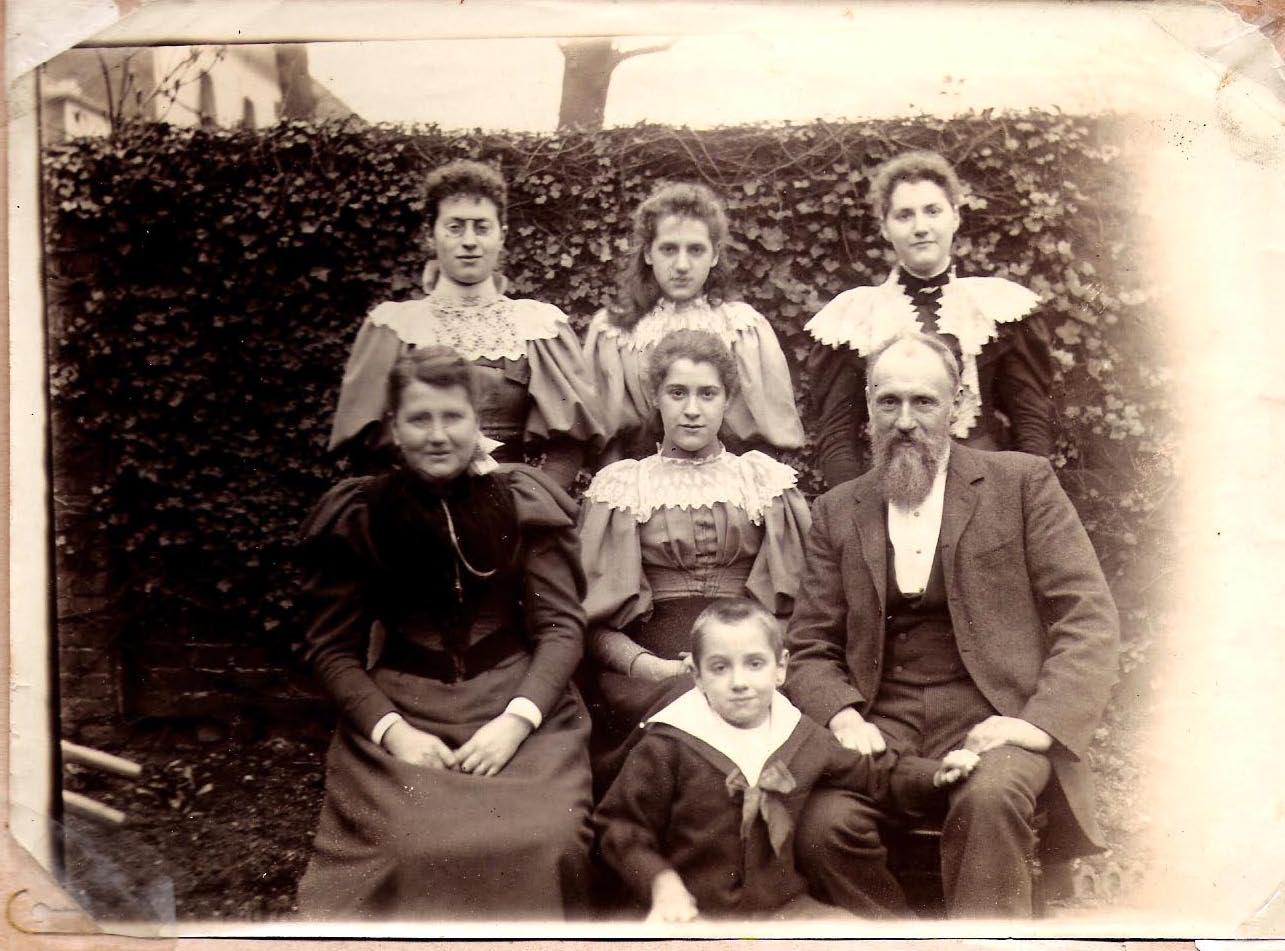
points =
(616, 382)
(334, 555)
(1024, 384)
(765, 408)
(554, 586)
(633, 817)
(774, 577)
(363, 394)
(612, 558)
(837, 379)
(563, 402)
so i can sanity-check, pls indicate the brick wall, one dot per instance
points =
(88, 607)
(125, 654)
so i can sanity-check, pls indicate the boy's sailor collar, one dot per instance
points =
(691, 713)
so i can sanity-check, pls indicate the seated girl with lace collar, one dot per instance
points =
(677, 278)
(663, 536)
(700, 821)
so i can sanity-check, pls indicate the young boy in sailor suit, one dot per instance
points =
(700, 821)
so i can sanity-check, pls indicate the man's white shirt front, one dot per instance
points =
(913, 531)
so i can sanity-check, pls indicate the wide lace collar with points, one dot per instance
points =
(750, 481)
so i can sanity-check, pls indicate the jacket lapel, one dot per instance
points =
(874, 548)
(963, 482)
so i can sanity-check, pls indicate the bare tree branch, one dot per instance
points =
(179, 77)
(622, 55)
(112, 118)
(588, 63)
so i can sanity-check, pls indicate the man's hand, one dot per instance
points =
(1007, 731)
(955, 767)
(853, 732)
(416, 747)
(670, 899)
(489, 749)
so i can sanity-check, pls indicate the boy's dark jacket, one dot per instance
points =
(679, 804)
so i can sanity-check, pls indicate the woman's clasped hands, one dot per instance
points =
(418, 748)
(485, 753)
(489, 749)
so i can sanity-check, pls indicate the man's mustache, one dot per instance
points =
(908, 439)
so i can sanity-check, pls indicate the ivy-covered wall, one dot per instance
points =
(204, 287)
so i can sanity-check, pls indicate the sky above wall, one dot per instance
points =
(729, 63)
(807, 62)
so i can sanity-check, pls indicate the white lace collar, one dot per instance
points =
(726, 321)
(748, 749)
(642, 486)
(971, 308)
(498, 329)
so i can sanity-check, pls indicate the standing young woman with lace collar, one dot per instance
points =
(535, 392)
(676, 278)
(990, 323)
(662, 537)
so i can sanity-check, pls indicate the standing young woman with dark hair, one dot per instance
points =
(676, 278)
(534, 395)
(990, 324)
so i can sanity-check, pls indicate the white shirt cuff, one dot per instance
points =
(524, 708)
(382, 725)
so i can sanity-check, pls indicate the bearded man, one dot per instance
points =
(951, 598)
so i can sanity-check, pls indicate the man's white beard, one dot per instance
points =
(906, 468)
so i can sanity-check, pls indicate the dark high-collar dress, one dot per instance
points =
(445, 621)
(992, 325)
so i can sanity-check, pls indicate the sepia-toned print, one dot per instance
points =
(650, 480)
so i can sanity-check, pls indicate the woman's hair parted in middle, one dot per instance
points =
(464, 178)
(435, 365)
(737, 611)
(912, 167)
(636, 288)
(699, 346)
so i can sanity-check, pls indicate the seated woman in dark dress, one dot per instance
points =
(533, 390)
(446, 622)
(662, 537)
(991, 325)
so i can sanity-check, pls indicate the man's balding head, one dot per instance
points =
(912, 389)
(904, 346)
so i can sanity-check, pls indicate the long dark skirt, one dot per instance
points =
(397, 841)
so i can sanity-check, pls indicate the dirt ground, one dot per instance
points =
(223, 824)
(220, 824)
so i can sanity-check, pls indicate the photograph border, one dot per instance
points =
(34, 691)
